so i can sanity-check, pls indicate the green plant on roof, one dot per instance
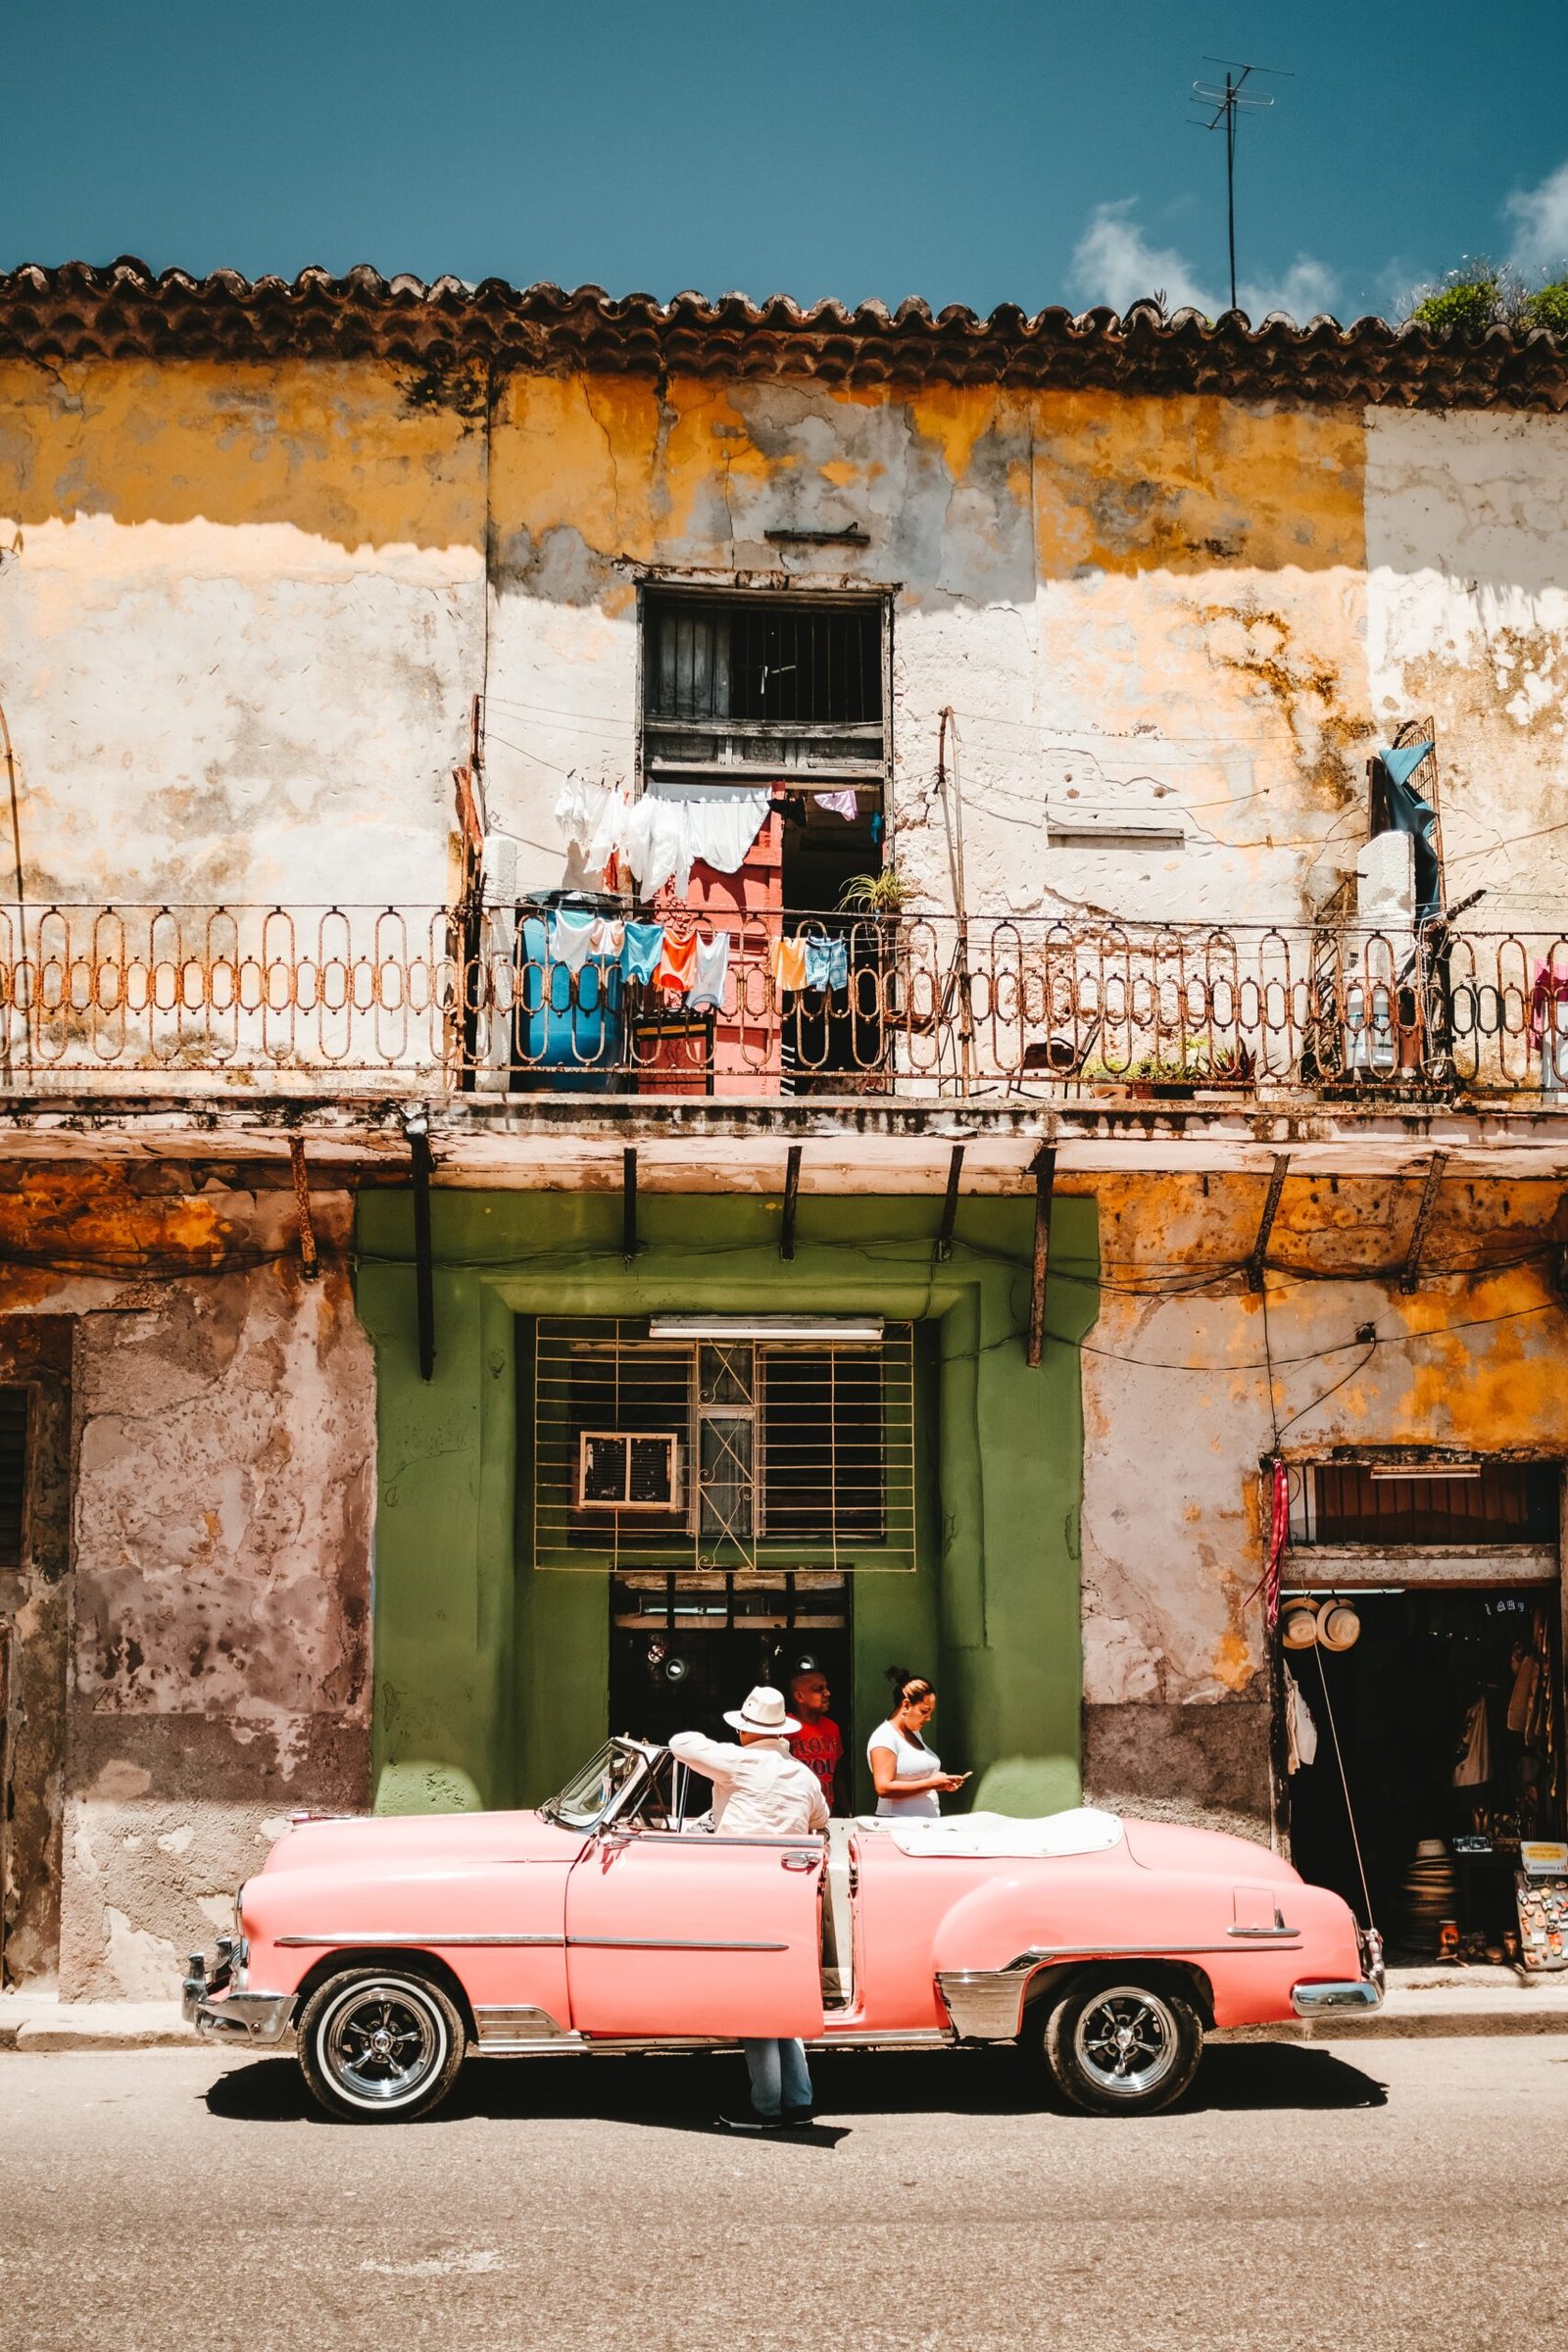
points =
(1548, 307)
(1481, 293)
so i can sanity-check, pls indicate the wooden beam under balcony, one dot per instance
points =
(792, 1194)
(628, 1204)
(309, 1262)
(1265, 1223)
(1045, 1175)
(950, 1205)
(418, 1134)
(1423, 1219)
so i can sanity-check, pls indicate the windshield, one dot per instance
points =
(588, 1796)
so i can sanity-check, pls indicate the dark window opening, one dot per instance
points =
(13, 1474)
(1508, 1503)
(783, 666)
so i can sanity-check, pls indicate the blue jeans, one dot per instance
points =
(779, 2076)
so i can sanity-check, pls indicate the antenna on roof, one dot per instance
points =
(1228, 106)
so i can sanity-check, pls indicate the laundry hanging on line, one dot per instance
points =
(713, 971)
(667, 830)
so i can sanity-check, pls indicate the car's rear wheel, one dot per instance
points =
(378, 2046)
(1120, 2048)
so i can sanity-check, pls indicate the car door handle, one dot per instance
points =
(800, 1861)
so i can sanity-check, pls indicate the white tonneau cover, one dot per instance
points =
(1085, 1830)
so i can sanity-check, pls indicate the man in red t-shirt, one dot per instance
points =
(818, 1742)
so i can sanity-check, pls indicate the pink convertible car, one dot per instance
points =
(609, 1922)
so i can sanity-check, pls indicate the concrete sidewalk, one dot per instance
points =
(1421, 2002)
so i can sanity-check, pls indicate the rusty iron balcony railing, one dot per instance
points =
(420, 1002)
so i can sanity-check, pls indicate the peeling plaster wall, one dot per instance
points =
(241, 629)
(1130, 604)
(1467, 606)
(221, 1518)
(1177, 1416)
(250, 603)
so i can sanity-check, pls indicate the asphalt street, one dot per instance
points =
(1386, 2195)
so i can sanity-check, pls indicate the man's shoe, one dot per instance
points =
(752, 2123)
(797, 2119)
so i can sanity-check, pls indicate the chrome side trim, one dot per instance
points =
(662, 1943)
(1312, 2000)
(252, 2017)
(438, 1942)
(499, 2027)
(1265, 1935)
(1143, 1951)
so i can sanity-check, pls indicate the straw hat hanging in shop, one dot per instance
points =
(1298, 1628)
(1339, 1626)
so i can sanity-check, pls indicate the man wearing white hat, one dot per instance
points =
(759, 1790)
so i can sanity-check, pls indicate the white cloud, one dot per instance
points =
(1114, 262)
(1308, 287)
(1541, 222)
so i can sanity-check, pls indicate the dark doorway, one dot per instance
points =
(1404, 1702)
(682, 1650)
(834, 1039)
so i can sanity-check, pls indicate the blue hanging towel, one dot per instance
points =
(1409, 813)
(645, 944)
(827, 963)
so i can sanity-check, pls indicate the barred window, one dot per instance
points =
(763, 682)
(736, 1454)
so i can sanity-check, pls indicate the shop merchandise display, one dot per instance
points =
(1430, 1888)
(1543, 1921)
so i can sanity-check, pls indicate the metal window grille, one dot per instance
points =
(734, 1457)
(13, 1474)
(738, 682)
(1508, 1503)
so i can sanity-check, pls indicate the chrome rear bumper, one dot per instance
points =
(1359, 1995)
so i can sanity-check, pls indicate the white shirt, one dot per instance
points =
(911, 1761)
(758, 1790)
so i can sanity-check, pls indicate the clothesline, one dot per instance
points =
(658, 955)
(667, 830)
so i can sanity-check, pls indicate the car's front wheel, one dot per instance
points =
(378, 2046)
(1119, 2047)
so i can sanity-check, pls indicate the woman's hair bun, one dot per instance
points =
(897, 1676)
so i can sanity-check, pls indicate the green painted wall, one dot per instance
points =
(492, 1679)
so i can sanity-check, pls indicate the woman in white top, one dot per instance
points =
(909, 1773)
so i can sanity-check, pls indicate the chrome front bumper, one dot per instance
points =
(218, 2001)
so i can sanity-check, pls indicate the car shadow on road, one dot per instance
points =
(1271, 2074)
(686, 2093)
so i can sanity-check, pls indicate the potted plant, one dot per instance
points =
(1178, 1073)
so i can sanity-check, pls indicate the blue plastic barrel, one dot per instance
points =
(570, 1027)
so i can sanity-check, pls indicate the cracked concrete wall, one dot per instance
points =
(221, 1529)
(1177, 1412)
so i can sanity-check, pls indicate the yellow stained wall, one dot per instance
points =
(250, 603)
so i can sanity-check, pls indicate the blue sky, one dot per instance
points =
(980, 151)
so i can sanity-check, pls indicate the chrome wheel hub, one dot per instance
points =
(1126, 2041)
(381, 2044)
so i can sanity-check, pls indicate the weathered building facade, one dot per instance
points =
(1158, 1124)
